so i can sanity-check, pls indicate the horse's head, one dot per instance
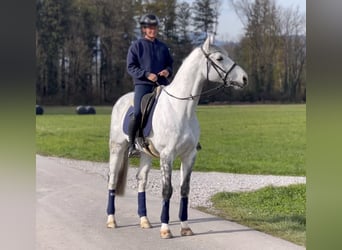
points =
(220, 68)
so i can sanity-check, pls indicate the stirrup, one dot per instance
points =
(133, 152)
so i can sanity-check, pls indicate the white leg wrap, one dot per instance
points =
(184, 224)
(164, 226)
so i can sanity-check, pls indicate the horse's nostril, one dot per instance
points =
(245, 81)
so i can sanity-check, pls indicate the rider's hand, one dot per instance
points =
(164, 73)
(152, 77)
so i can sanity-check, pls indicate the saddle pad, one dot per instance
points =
(148, 126)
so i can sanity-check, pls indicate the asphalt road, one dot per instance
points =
(71, 214)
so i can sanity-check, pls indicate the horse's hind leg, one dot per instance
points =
(116, 177)
(142, 174)
(185, 174)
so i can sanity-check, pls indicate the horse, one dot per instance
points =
(175, 132)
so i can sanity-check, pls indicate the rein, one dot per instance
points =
(192, 97)
(217, 68)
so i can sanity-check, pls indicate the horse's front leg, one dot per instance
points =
(166, 168)
(116, 159)
(185, 175)
(144, 168)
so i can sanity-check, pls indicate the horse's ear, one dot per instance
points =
(208, 42)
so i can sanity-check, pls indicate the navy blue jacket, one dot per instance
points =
(144, 57)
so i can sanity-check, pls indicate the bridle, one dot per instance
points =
(224, 77)
(218, 68)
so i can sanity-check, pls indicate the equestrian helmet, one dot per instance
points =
(149, 19)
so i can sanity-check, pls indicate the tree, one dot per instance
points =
(51, 26)
(182, 22)
(294, 54)
(78, 50)
(115, 34)
(262, 37)
(205, 17)
(182, 44)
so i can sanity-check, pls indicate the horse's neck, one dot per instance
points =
(188, 82)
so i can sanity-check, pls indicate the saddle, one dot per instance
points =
(148, 104)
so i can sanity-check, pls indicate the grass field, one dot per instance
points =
(267, 139)
(279, 211)
(255, 139)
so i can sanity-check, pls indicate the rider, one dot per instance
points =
(148, 62)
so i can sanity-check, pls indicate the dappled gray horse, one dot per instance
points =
(175, 132)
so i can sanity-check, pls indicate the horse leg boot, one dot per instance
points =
(116, 180)
(132, 131)
(183, 217)
(145, 165)
(144, 222)
(166, 166)
(111, 209)
(186, 169)
(165, 232)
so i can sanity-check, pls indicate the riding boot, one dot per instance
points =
(132, 131)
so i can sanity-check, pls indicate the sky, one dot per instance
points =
(230, 27)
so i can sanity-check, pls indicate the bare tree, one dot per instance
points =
(115, 32)
(294, 53)
(262, 37)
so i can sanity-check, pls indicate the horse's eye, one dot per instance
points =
(220, 58)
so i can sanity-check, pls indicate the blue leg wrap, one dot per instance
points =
(165, 212)
(111, 202)
(142, 204)
(183, 209)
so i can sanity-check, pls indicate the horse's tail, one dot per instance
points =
(122, 176)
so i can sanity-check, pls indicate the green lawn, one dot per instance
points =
(255, 139)
(279, 211)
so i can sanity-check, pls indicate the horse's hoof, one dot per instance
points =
(165, 234)
(186, 231)
(144, 223)
(111, 222)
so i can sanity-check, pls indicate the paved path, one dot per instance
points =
(70, 214)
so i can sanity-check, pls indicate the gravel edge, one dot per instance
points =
(203, 184)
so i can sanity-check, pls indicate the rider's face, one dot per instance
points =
(151, 31)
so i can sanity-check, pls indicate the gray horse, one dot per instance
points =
(175, 132)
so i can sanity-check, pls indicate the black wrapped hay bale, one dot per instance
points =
(91, 110)
(39, 110)
(81, 110)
